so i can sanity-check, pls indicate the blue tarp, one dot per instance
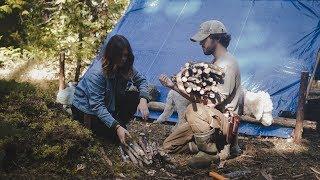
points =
(273, 41)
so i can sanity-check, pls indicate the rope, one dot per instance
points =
(243, 26)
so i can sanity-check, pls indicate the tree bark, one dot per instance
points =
(78, 68)
(62, 83)
(286, 122)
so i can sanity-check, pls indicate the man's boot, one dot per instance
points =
(193, 148)
(202, 160)
(204, 142)
(235, 148)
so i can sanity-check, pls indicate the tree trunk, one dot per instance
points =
(62, 83)
(78, 68)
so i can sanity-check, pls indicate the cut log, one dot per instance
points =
(217, 176)
(123, 156)
(131, 156)
(158, 106)
(138, 149)
(287, 122)
(189, 89)
(204, 84)
(194, 70)
(211, 95)
(142, 145)
(134, 151)
(184, 79)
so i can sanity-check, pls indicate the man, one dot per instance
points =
(206, 126)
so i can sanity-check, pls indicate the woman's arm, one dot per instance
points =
(140, 81)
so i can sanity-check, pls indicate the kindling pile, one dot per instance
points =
(143, 152)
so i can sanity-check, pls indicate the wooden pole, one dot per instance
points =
(314, 72)
(286, 122)
(62, 83)
(300, 111)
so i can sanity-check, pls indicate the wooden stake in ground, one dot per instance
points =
(300, 112)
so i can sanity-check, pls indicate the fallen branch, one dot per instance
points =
(297, 176)
(131, 156)
(216, 176)
(266, 175)
(287, 122)
(157, 106)
(314, 170)
(107, 161)
(123, 156)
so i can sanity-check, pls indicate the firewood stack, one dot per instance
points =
(142, 152)
(201, 79)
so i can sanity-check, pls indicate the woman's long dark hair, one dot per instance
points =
(113, 53)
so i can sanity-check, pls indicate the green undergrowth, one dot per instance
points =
(37, 138)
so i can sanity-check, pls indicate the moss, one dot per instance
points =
(37, 137)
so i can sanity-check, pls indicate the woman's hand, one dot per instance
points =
(143, 108)
(122, 134)
(166, 81)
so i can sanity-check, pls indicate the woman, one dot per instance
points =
(101, 94)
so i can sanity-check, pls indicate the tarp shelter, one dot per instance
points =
(273, 42)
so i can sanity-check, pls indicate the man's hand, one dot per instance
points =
(122, 134)
(166, 81)
(143, 108)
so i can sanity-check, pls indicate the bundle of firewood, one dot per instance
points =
(142, 152)
(200, 79)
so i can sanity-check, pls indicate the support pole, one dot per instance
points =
(300, 111)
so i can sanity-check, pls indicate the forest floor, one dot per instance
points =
(261, 158)
(39, 139)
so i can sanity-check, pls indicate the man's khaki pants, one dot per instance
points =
(200, 120)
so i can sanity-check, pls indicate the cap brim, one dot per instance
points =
(199, 37)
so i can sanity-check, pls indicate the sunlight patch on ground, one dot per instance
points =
(41, 74)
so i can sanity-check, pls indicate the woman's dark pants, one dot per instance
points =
(126, 106)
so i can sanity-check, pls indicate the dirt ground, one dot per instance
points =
(262, 158)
